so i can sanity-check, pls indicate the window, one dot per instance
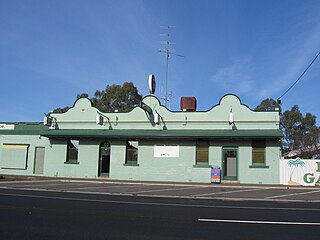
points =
(14, 156)
(72, 151)
(258, 152)
(132, 152)
(202, 152)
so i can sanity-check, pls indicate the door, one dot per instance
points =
(39, 160)
(104, 159)
(230, 164)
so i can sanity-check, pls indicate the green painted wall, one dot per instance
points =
(87, 166)
(83, 116)
(33, 141)
(150, 168)
(247, 174)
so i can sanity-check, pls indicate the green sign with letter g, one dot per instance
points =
(311, 178)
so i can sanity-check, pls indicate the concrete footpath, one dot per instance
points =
(234, 192)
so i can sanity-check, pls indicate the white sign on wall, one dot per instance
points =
(6, 126)
(166, 151)
(305, 172)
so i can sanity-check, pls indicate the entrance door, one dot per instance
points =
(230, 164)
(39, 160)
(104, 159)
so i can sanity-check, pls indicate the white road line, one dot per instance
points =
(27, 181)
(235, 191)
(105, 187)
(167, 189)
(291, 194)
(66, 188)
(39, 185)
(158, 204)
(258, 222)
(156, 184)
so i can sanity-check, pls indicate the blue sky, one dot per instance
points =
(52, 50)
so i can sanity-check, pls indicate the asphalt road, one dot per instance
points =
(26, 214)
(172, 190)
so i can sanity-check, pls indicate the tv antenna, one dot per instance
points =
(168, 52)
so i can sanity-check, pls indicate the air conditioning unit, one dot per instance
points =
(188, 104)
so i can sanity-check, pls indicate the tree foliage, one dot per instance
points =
(61, 110)
(291, 123)
(300, 133)
(114, 97)
(268, 104)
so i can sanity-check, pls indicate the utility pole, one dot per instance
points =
(168, 53)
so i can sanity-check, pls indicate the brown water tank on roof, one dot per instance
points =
(188, 104)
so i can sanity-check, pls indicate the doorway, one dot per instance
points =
(104, 159)
(229, 164)
(39, 160)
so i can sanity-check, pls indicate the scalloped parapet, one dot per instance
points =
(150, 114)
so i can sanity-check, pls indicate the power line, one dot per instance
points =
(299, 77)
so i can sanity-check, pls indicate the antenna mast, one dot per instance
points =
(168, 53)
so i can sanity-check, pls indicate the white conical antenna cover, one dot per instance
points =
(152, 84)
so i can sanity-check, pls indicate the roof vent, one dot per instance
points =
(188, 104)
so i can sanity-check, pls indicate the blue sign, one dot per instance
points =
(215, 175)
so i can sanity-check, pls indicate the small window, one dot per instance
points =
(132, 152)
(72, 151)
(258, 152)
(202, 152)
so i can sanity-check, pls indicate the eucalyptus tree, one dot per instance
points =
(300, 132)
(114, 97)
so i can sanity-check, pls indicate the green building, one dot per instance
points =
(150, 143)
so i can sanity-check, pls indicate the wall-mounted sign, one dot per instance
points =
(6, 126)
(298, 171)
(166, 151)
